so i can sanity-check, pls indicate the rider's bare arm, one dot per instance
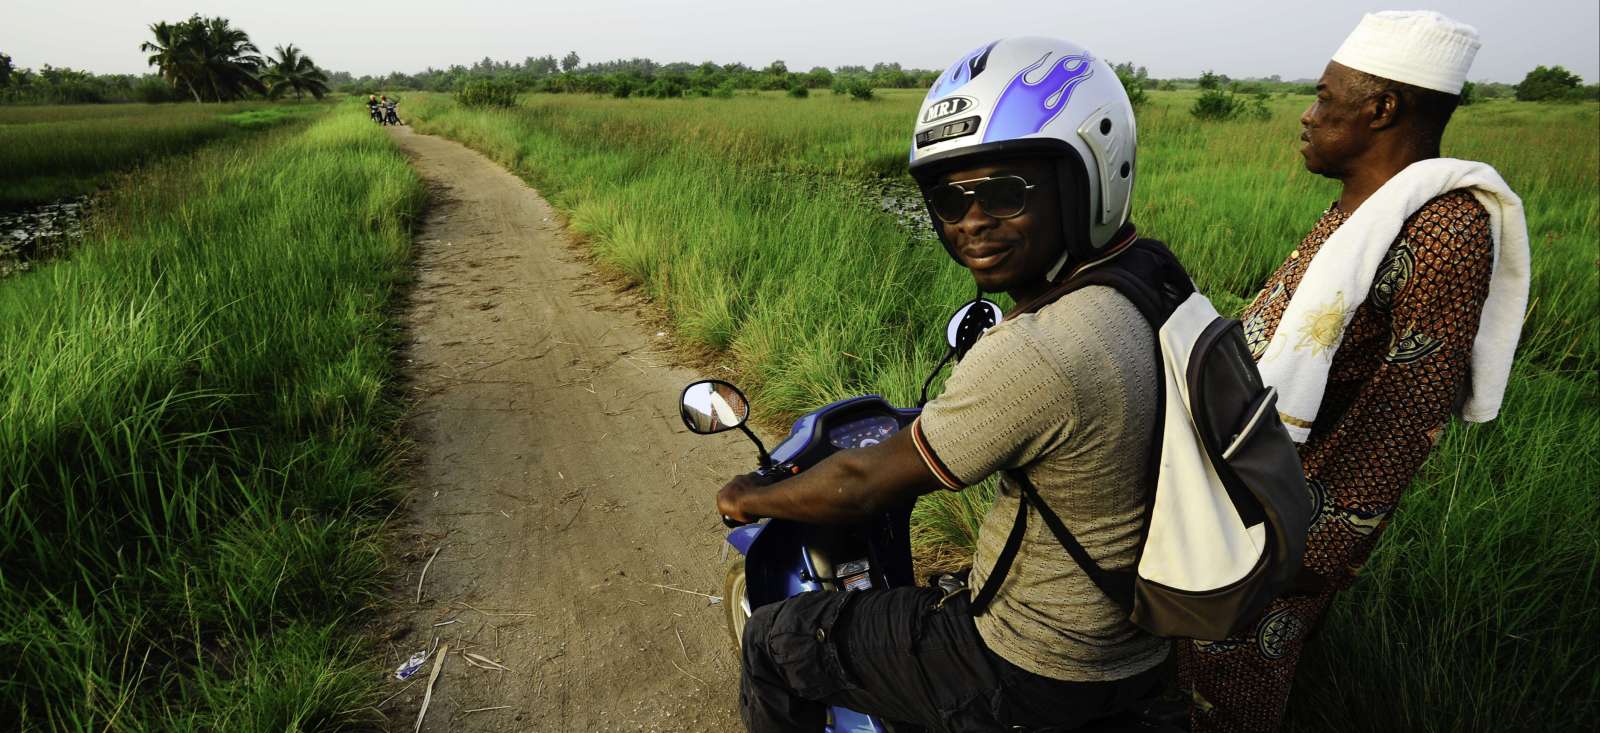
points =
(847, 486)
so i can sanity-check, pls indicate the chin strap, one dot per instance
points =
(1060, 263)
(1121, 239)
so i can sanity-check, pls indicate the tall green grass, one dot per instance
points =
(52, 152)
(195, 442)
(746, 220)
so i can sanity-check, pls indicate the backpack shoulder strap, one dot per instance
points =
(1116, 585)
(1144, 271)
(1002, 564)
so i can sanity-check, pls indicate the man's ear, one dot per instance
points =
(1385, 110)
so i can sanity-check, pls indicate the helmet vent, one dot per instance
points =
(947, 131)
(1112, 169)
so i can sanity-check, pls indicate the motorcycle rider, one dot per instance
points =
(1024, 151)
(372, 107)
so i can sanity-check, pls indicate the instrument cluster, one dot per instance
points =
(863, 432)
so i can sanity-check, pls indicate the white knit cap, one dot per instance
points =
(1417, 47)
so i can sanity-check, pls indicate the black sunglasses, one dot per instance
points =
(1001, 197)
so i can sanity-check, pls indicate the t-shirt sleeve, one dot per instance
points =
(1003, 406)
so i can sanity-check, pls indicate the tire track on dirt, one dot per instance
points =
(555, 480)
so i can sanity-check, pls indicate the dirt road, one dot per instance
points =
(570, 509)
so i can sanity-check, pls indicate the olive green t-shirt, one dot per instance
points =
(1068, 396)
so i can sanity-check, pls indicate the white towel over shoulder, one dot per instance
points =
(1340, 276)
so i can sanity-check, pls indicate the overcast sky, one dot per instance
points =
(1172, 37)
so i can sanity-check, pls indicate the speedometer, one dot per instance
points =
(863, 432)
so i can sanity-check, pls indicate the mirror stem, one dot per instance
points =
(929, 381)
(766, 458)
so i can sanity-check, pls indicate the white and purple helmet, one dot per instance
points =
(1037, 97)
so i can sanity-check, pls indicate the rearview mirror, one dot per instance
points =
(712, 406)
(961, 333)
(969, 323)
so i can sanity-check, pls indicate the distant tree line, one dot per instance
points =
(207, 60)
(643, 77)
(199, 59)
(61, 85)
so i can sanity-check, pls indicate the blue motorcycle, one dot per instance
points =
(782, 558)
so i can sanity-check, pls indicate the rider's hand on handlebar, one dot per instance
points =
(731, 498)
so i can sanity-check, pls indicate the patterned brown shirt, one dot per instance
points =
(1397, 375)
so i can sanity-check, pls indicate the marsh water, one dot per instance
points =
(31, 235)
(901, 199)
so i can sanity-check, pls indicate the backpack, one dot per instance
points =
(1227, 503)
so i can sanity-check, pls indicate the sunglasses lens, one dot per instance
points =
(949, 202)
(1002, 197)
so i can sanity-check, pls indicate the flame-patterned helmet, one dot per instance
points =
(1038, 97)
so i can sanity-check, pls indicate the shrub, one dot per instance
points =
(856, 87)
(798, 92)
(1215, 105)
(1549, 83)
(487, 93)
(663, 88)
(1134, 88)
(1258, 107)
(724, 90)
(622, 89)
(151, 89)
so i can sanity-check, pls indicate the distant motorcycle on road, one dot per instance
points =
(389, 115)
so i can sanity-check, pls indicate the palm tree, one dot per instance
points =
(208, 56)
(294, 70)
(169, 56)
(230, 63)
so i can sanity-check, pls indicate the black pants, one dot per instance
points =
(903, 656)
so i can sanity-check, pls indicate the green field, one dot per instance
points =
(53, 152)
(755, 223)
(197, 432)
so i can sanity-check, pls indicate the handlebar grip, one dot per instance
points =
(761, 477)
(767, 476)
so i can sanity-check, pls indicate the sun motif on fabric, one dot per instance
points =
(1321, 330)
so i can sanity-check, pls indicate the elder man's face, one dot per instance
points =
(1336, 124)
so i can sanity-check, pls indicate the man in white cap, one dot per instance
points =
(1403, 305)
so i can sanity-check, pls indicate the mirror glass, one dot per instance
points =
(969, 323)
(712, 406)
